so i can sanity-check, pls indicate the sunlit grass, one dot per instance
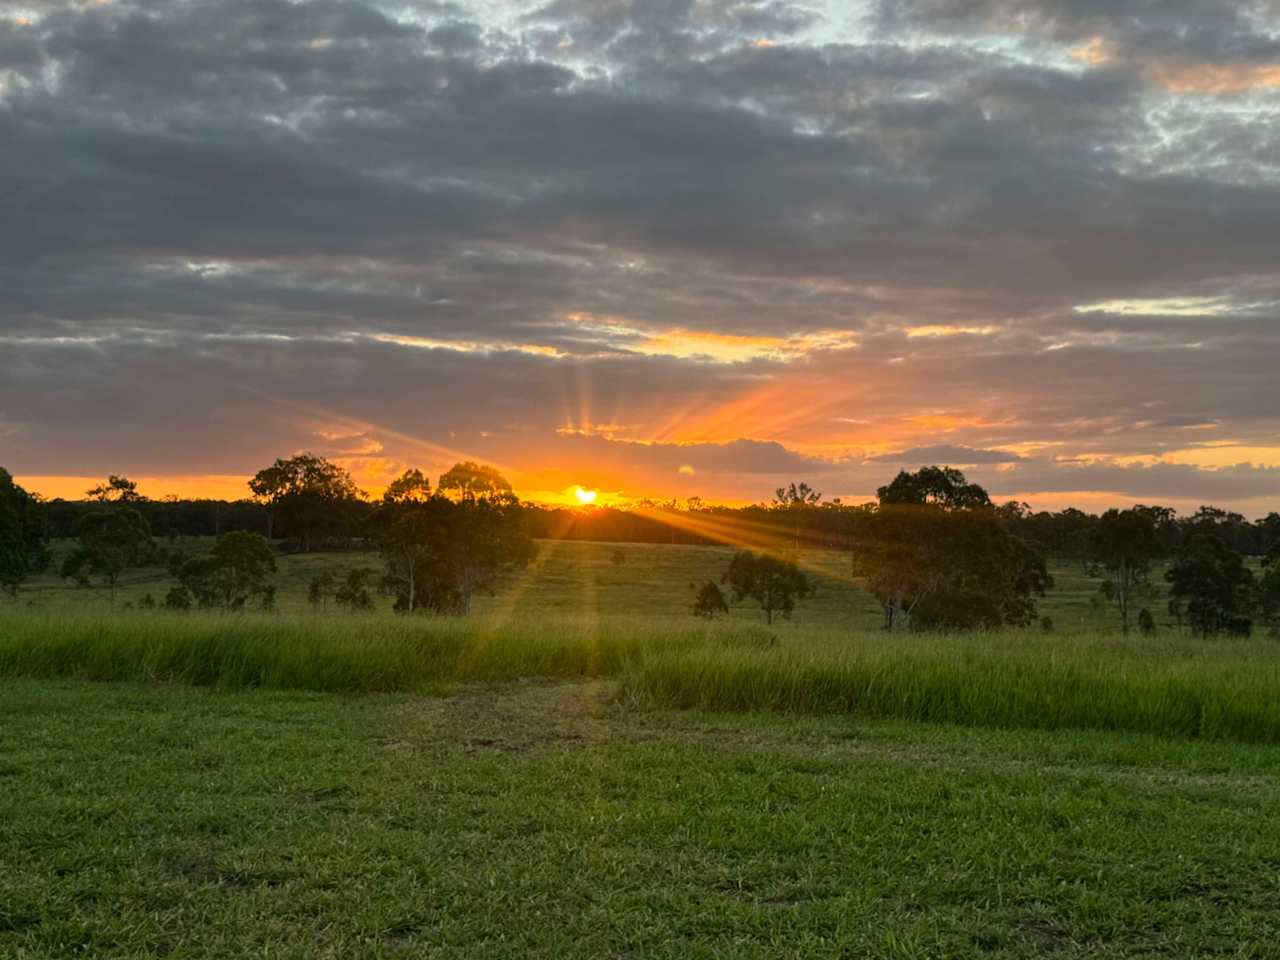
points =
(1170, 685)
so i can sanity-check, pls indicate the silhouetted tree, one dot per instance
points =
(1210, 588)
(933, 568)
(944, 487)
(23, 539)
(412, 486)
(1122, 548)
(116, 490)
(439, 552)
(710, 601)
(475, 481)
(773, 582)
(797, 501)
(113, 539)
(308, 494)
(234, 575)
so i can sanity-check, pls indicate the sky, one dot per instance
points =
(657, 248)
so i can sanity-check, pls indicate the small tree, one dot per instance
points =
(234, 575)
(22, 535)
(116, 490)
(1211, 589)
(113, 539)
(320, 590)
(1122, 547)
(710, 601)
(353, 595)
(774, 583)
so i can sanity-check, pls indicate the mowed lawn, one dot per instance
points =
(599, 579)
(546, 819)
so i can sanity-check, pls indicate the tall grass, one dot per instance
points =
(377, 654)
(1172, 686)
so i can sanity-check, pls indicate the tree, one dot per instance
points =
(320, 590)
(944, 487)
(773, 582)
(353, 595)
(1269, 586)
(933, 568)
(1146, 622)
(1122, 547)
(475, 481)
(407, 535)
(710, 601)
(440, 552)
(116, 490)
(796, 500)
(113, 539)
(410, 487)
(234, 575)
(307, 493)
(23, 536)
(1210, 588)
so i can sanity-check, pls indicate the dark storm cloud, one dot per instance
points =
(204, 199)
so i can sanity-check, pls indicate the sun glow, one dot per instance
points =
(585, 497)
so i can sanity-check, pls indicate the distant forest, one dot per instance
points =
(795, 516)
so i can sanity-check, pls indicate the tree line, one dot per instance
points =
(933, 548)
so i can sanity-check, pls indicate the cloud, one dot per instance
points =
(948, 455)
(966, 227)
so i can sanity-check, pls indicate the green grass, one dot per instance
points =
(654, 581)
(550, 820)
(1168, 685)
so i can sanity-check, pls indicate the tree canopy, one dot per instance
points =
(439, 552)
(234, 575)
(774, 582)
(308, 494)
(933, 568)
(23, 539)
(113, 539)
(1210, 588)
(944, 487)
(1122, 547)
(475, 481)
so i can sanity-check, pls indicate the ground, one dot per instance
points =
(651, 580)
(550, 819)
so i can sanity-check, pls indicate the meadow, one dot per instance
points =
(591, 580)
(584, 769)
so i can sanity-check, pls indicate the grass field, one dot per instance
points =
(583, 769)
(545, 819)
(585, 579)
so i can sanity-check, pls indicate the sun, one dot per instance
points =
(585, 497)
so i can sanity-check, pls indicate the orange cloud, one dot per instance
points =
(1211, 78)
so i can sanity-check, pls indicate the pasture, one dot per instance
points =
(592, 580)
(584, 769)
(545, 819)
